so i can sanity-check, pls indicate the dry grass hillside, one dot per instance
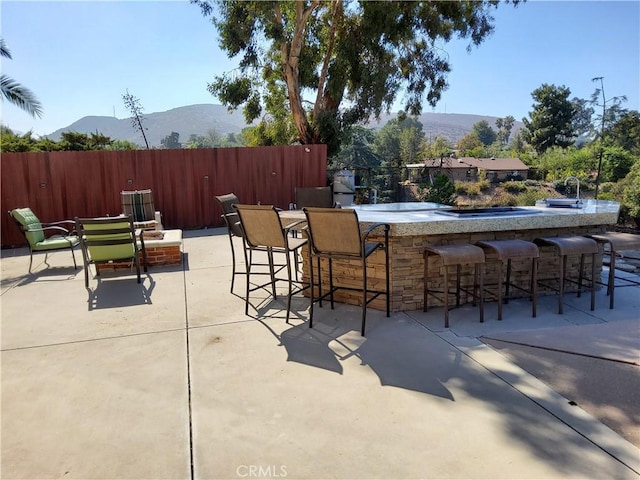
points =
(481, 194)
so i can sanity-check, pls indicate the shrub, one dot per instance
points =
(530, 197)
(483, 185)
(504, 200)
(514, 187)
(442, 191)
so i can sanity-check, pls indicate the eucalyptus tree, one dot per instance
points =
(15, 93)
(332, 64)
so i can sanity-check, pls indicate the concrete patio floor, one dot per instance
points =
(169, 379)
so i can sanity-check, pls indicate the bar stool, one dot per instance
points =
(573, 245)
(457, 255)
(509, 250)
(617, 242)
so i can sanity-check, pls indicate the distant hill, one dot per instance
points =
(199, 119)
(192, 119)
(453, 126)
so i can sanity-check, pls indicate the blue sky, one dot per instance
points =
(80, 57)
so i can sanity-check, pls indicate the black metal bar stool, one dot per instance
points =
(509, 250)
(572, 245)
(457, 255)
(617, 242)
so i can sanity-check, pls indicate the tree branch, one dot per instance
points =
(336, 7)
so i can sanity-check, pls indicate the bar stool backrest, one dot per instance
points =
(314, 197)
(334, 231)
(229, 213)
(262, 226)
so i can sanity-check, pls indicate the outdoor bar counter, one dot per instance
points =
(416, 225)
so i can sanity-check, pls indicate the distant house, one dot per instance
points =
(467, 169)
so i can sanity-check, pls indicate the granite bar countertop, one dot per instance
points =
(421, 218)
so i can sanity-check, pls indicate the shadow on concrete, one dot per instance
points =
(120, 292)
(50, 274)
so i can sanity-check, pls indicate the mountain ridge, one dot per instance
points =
(198, 119)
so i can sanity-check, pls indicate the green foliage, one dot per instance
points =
(11, 142)
(171, 141)
(442, 191)
(469, 144)
(530, 196)
(352, 58)
(75, 141)
(471, 189)
(213, 139)
(551, 121)
(582, 114)
(631, 192)
(483, 182)
(485, 133)
(504, 199)
(122, 145)
(504, 128)
(560, 163)
(397, 143)
(514, 187)
(356, 150)
(616, 163)
(269, 132)
(625, 133)
(438, 148)
(15, 93)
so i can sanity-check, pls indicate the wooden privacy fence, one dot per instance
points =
(63, 185)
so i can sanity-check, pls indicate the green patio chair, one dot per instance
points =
(110, 239)
(45, 237)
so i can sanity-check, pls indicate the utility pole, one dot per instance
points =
(604, 111)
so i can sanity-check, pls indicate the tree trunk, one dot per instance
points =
(323, 101)
(290, 56)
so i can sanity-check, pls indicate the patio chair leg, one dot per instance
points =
(272, 273)
(246, 297)
(364, 296)
(312, 284)
(75, 266)
(290, 288)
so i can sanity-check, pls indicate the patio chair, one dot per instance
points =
(334, 234)
(264, 232)
(314, 197)
(110, 239)
(138, 204)
(234, 229)
(45, 237)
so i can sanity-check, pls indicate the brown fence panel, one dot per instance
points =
(63, 185)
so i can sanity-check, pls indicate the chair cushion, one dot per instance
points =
(139, 205)
(56, 242)
(31, 224)
(112, 252)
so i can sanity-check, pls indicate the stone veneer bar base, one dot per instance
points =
(167, 251)
(407, 266)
